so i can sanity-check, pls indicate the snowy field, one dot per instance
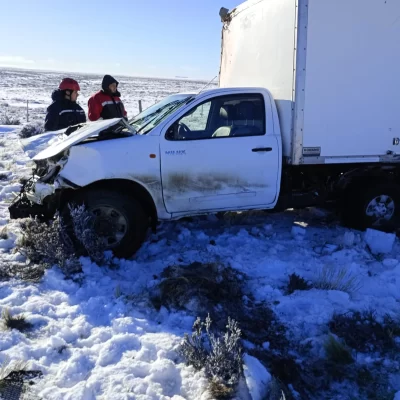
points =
(19, 86)
(96, 336)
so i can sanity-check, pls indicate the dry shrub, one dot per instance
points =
(296, 282)
(220, 355)
(218, 290)
(6, 120)
(364, 333)
(52, 243)
(30, 130)
(200, 286)
(47, 244)
(84, 231)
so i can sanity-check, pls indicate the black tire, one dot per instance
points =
(136, 221)
(360, 207)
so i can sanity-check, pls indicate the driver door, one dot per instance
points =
(221, 155)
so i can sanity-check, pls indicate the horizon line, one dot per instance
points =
(176, 78)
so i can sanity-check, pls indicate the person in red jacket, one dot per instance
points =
(106, 103)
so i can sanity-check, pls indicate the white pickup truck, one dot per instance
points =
(307, 111)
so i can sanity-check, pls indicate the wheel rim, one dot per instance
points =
(381, 208)
(110, 224)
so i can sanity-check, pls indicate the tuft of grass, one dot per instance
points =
(3, 177)
(15, 322)
(364, 333)
(337, 352)
(2, 143)
(296, 282)
(331, 277)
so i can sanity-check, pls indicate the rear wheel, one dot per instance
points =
(118, 218)
(377, 207)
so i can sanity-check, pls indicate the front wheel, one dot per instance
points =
(119, 220)
(377, 207)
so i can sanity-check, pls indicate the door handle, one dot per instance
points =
(262, 149)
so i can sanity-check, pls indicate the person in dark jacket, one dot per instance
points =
(106, 103)
(64, 111)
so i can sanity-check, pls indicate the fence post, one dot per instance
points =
(27, 111)
(140, 106)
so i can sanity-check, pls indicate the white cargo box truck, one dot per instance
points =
(307, 112)
(333, 69)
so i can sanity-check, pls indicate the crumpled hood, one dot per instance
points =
(35, 144)
(88, 130)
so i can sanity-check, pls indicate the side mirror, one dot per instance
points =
(170, 135)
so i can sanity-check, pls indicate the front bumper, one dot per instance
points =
(21, 207)
(31, 202)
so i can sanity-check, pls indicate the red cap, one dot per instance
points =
(69, 84)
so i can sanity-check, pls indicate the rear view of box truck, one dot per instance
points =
(333, 68)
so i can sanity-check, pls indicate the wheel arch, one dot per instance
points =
(366, 176)
(123, 186)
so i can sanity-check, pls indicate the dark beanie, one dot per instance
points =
(107, 81)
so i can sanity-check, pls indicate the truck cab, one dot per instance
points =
(190, 154)
(222, 152)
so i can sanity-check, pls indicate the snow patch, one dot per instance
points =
(8, 128)
(257, 377)
(298, 232)
(379, 242)
(348, 239)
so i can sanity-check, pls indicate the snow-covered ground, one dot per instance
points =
(96, 337)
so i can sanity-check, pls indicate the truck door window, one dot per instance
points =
(198, 117)
(222, 117)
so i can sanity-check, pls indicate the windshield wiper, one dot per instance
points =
(140, 120)
(171, 106)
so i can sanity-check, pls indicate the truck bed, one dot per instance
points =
(352, 80)
(332, 68)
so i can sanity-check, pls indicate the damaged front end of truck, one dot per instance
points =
(40, 195)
